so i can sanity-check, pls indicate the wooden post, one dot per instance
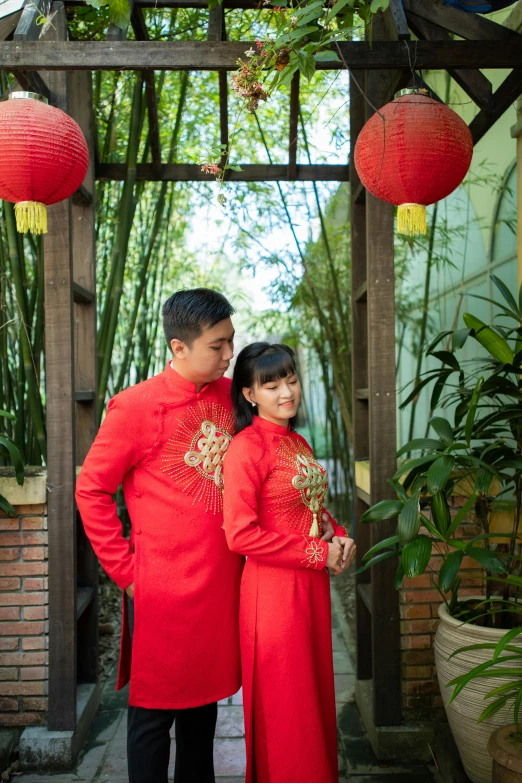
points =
(85, 366)
(382, 429)
(359, 375)
(61, 464)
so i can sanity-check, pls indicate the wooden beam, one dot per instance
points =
(8, 24)
(382, 406)
(466, 25)
(216, 24)
(187, 172)
(142, 34)
(61, 463)
(359, 320)
(196, 4)
(32, 82)
(294, 119)
(503, 98)
(473, 82)
(223, 55)
(395, 20)
(29, 28)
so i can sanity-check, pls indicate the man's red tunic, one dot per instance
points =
(165, 443)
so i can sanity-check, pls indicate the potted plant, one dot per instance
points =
(478, 456)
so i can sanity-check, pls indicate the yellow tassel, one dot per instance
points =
(411, 219)
(31, 216)
(314, 530)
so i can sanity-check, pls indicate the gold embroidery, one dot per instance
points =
(298, 508)
(311, 483)
(314, 554)
(193, 455)
(208, 450)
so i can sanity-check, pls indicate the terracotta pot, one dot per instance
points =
(471, 737)
(505, 748)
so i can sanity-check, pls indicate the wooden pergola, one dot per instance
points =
(411, 35)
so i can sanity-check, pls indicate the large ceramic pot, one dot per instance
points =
(471, 737)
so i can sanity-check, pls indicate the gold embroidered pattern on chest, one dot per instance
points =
(310, 480)
(193, 455)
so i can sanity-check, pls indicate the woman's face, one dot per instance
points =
(276, 401)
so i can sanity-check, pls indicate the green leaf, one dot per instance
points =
(449, 570)
(429, 444)
(409, 522)
(7, 415)
(234, 168)
(443, 429)
(439, 473)
(506, 639)
(306, 65)
(326, 56)
(470, 418)
(16, 457)
(340, 4)
(489, 339)
(448, 358)
(399, 575)
(459, 337)
(120, 13)
(97, 3)
(506, 293)
(516, 709)
(375, 560)
(489, 560)
(386, 509)
(483, 480)
(6, 507)
(462, 514)
(440, 511)
(379, 5)
(410, 464)
(493, 708)
(416, 556)
(384, 544)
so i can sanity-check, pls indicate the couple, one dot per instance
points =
(191, 602)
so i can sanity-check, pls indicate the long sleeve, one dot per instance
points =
(246, 467)
(339, 530)
(113, 453)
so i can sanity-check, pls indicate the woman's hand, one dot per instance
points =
(328, 528)
(348, 550)
(334, 559)
(130, 590)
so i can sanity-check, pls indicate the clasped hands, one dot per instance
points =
(341, 550)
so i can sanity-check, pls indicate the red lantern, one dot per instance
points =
(43, 158)
(411, 153)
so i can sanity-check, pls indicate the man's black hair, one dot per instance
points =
(187, 313)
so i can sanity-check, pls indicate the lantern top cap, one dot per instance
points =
(413, 91)
(34, 96)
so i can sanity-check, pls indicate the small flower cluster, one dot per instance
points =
(246, 81)
(211, 168)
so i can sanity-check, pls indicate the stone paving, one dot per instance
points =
(103, 759)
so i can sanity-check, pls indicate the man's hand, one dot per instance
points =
(130, 590)
(328, 529)
(348, 551)
(334, 559)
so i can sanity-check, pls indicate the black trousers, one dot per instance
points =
(148, 741)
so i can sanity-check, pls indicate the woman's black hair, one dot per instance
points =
(258, 363)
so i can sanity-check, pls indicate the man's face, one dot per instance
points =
(209, 356)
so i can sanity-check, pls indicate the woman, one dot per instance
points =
(274, 492)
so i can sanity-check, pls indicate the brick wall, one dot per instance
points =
(419, 603)
(23, 604)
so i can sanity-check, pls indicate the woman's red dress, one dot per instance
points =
(274, 490)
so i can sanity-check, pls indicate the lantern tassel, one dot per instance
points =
(314, 530)
(31, 216)
(411, 219)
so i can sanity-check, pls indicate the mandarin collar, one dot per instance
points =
(176, 381)
(265, 424)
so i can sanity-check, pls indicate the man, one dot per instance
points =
(165, 440)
